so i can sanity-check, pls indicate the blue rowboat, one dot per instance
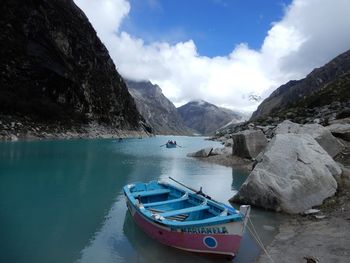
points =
(185, 219)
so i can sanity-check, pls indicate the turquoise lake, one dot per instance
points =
(62, 200)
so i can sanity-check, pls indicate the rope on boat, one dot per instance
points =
(258, 240)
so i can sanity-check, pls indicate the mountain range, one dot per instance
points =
(205, 118)
(56, 75)
(158, 111)
(195, 117)
(56, 72)
(324, 85)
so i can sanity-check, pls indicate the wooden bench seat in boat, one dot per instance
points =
(184, 211)
(172, 201)
(151, 192)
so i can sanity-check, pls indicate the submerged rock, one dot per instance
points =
(322, 135)
(293, 175)
(248, 143)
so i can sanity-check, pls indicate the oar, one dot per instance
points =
(193, 190)
(202, 194)
(162, 145)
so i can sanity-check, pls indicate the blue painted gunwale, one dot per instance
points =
(155, 188)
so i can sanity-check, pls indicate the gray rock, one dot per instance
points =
(248, 143)
(201, 153)
(251, 126)
(340, 128)
(267, 130)
(229, 143)
(13, 138)
(295, 173)
(222, 151)
(322, 135)
(222, 139)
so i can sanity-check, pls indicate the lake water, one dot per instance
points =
(62, 200)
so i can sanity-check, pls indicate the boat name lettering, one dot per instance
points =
(205, 230)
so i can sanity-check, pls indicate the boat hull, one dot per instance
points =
(221, 239)
(170, 145)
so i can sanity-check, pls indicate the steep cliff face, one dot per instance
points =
(158, 111)
(206, 118)
(54, 68)
(334, 74)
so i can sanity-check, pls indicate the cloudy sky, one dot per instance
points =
(221, 51)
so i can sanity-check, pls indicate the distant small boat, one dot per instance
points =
(185, 219)
(171, 145)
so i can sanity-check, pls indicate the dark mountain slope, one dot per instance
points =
(54, 69)
(158, 111)
(334, 74)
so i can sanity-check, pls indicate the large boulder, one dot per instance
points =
(294, 174)
(201, 153)
(248, 143)
(229, 143)
(340, 128)
(322, 135)
(222, 151)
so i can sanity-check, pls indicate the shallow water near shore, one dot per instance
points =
(62, 200)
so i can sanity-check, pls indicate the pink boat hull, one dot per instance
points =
(222, 239)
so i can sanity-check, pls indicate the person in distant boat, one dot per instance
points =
(175, 142)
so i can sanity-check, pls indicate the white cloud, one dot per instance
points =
(310, 34)
(321, 27)
(105, 15)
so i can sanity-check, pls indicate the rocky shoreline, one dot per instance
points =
(15, 128)
(223, 155)
(323, 237)
(299, 167)
(228, 160)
